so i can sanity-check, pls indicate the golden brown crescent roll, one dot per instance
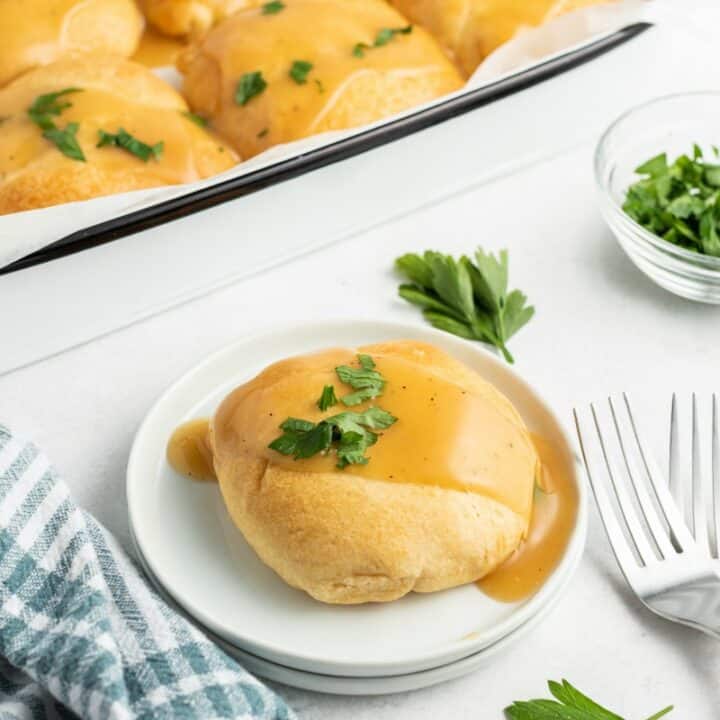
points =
(445, 497)
(185, 18)
(315, 65)
(469, 30)
(40, 164)
(38, 32)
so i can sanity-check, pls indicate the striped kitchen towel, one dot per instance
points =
(81, 633)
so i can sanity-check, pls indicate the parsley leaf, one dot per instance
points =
(199, 120)
(569, 704)
(327, 398)
(365, 380)
(383, 37)
(270, 8)
(465, 297)
(678, 201)
(126, 141)
(45, 106)
(65, 141)
(348, 433)
(44, 109)
(299, 71)
(249, 86)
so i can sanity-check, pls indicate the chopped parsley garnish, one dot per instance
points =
(299, 71)
(270, 8)
(44, 109)
(349, 434)
(465, 298)
(367, 382)
(126, 141)
(320, 86)
(65, 141)
(327, 398)
(249, 86)
(197, 119)
(569, 704)
(47, 106)
(263, 132)
(383, 37)
(679, 202)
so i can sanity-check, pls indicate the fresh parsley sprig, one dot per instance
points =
(680, 202)
(126, 141)
(466, 298)
(383, 37)
(44, 109)
(349, 433)
(569, 704)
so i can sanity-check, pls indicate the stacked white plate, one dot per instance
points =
(198, 559)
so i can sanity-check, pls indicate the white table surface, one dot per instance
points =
(601, 326)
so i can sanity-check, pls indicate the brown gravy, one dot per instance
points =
(553, 519)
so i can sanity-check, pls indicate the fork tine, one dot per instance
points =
(699, 525)
(674, 470)
(658, 530)
(674, 519)
(599, 484)
(715, 452)
(627, 509)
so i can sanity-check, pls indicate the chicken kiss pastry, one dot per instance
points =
(38, 32)
(190, 18)
(360, 475)
(311, 66)
(469, 30)
(96, 125)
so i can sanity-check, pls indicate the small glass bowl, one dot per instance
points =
(668, 124)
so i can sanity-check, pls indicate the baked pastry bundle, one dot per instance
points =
(316, 65)
(445, 495)
(93, 125)
(469, 30)
(39, 32)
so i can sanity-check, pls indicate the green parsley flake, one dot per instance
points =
(263, 133)
(679, 202)
(271, 8)
(249, 86)
(44, 109)
(367, 382)
(349, 434)
(299, 71)
(465, 298)
(65, 141)
(327, 398)
(126, 141)
(199, 120)
(383, 37)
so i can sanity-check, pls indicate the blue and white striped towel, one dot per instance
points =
(81, 632)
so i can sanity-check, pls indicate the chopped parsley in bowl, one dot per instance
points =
(657, 170)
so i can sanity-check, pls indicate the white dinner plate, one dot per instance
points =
(337, 685)
(188, 541)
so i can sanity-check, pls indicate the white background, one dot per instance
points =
(601, 327)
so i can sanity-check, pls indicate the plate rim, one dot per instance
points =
(308, 662)
(363, 685)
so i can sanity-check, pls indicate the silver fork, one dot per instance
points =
(669, 568)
